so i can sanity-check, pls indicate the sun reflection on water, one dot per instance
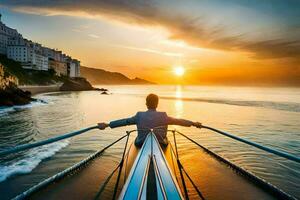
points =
(178, 91)
(178, 103)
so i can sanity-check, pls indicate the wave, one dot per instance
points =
(285, 106)
(6, 110)
(31, 160)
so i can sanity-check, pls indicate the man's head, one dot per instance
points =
(152, 101)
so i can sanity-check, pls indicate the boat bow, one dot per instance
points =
(150, 176)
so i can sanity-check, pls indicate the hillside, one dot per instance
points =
(100, 76)
(94, 76)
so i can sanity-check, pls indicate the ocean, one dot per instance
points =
(268, 116)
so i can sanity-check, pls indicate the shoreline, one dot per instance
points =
(37, 89)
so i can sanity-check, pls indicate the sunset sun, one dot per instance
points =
(179, 71)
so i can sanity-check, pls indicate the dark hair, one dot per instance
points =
(152, 101)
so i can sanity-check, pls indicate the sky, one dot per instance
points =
(233, 42)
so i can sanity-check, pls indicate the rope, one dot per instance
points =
(103, 185)
(65, 172)
(125, 169)
(121, 166)
(268, 186)
(194, 185)
(106, 182)
(85, 161)
(259, 146)
(172, 155)
(44, 142)
(190, 179)
(180, 170)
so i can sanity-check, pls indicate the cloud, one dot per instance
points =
(164, 53)
(195, 31)
(93, 36)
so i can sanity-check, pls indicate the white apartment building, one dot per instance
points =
(58, 56)
(39, 62)
(74, 68)
(5, 34)
(33, 55)
(23, 51)
(20, 53)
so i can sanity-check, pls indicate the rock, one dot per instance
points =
(76, 84)
(101, 89)
(12, 95)
(106, 93)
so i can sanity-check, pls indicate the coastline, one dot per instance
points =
(37, 89)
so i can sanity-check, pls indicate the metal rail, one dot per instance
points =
(259, 146)
(44, 142)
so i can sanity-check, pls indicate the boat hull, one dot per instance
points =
(150, 176)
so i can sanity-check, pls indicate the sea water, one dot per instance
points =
(269, 116)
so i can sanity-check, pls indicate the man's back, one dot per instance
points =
(151, 119)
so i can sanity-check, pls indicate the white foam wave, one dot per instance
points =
(6, 110)
(31, 160)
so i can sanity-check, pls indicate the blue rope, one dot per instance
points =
(268, 149)
(44, 142)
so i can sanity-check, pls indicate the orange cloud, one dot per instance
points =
(256, 60)
(183, 26)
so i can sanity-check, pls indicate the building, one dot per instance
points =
(39, 62)
(27, 53)
(59, 67)
(75, 68)
(5, 34)
(58, 56)
(48, 52)
(34, 56)
(20, 53)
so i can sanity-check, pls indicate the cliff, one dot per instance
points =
(100, 76)
(10, 94)
(76, 84)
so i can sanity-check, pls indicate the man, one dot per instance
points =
(150, 119)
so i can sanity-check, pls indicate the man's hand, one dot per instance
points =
(197, 124)
(103, 125)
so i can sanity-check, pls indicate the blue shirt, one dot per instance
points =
(150, 119)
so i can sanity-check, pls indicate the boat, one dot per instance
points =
(150, 176)
(155, 172)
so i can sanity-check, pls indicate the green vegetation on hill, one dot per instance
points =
(29, 77)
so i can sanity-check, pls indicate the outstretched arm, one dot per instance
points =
(118, 123)
(182, 122)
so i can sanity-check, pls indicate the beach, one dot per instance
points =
(37, 89)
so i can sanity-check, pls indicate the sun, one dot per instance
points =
(179, 71)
